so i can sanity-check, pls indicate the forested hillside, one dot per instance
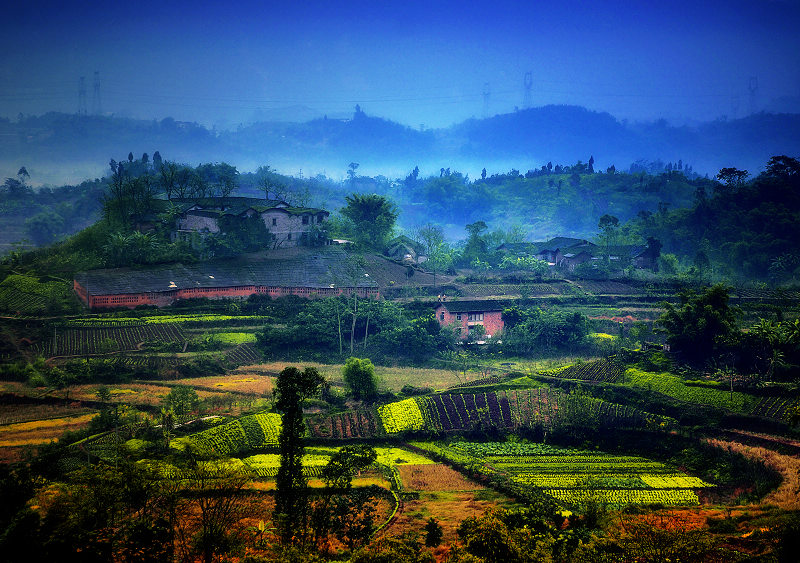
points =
(60, 148)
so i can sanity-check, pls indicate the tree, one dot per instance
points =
(373, 218)
(732, 177)
(182, 399)
(476, 247)
(436, 250)
(433, 533)
(291, 502)
(359, 377)
(702, 326)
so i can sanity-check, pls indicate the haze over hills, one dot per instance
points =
(58, 148)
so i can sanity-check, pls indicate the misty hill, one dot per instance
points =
(59, 148)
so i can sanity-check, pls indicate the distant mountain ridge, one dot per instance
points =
(61, 145)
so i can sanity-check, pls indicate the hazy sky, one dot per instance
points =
(416, 62)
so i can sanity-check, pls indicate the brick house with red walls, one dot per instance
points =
(323, 272)
(463, 315)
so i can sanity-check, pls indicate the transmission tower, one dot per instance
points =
(82, 96)
(528, 83)
(752, 86)
(486, 93)
(97, 108)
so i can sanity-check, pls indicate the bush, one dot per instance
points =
(359, 377)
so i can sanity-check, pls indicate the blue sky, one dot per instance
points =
(414, 62)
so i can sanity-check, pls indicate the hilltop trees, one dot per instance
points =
(372, 219)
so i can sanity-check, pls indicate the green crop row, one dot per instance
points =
(245, 434)
(675, 387)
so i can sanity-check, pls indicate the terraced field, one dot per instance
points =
(573, 477)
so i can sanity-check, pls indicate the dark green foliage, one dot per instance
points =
(531, 331)
(373, 217)
(433, 533)
(291, 503)
(238, 235)
(703, 326)
(346, 462)
(359, 377)
(182, 399)
(745, 230)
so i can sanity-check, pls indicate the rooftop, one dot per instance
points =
(320, 268)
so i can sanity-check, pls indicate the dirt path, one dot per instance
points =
(787, 495)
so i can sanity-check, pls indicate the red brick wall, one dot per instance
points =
(162, 299)
(492, 321)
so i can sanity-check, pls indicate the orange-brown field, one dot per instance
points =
(449, 508)
(14, 438)
(13, 413)
(130, 393)
(389, 377)
(241, 381)
(435, 477)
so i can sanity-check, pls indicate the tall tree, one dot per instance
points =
(373, 218)
(291, 500)
(702, 326)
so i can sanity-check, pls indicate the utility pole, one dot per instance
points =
(752, 86)
(528, 83)
(486, 94)
(82, 96)
(97, 107)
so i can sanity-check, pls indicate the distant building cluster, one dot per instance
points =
(288, 225)
(567, 253)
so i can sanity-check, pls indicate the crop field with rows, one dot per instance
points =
(82, 341)
(675, 387)
(187, 320)
(244, 355)
(600, 370)
(245, 434)
(572, 476)
(27, 295)
(361, 423)
(775, 407)
(451, 412)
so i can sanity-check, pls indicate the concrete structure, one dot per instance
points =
(464, 316)
(289, 226)
(321, 273)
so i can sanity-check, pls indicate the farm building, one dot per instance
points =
(466, 315)
(321, 273)
(288, 225)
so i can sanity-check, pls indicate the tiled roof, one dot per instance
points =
(319, 269)
(472, 306)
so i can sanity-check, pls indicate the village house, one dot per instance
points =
(406, 250)
(321, 273)
(289, 226)
(465, 316)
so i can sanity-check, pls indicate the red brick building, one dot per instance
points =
(464, 316)
(321, 273)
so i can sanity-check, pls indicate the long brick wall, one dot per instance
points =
(164, 298)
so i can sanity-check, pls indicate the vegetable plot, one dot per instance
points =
(571, 476)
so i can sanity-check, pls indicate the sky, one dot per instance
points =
(421, 63)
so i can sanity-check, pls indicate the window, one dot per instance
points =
(475, 317)
(441, 316)
(305, 219)
(274, 221)
(458, 316)
(289, 236)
